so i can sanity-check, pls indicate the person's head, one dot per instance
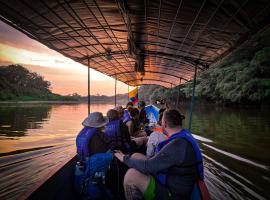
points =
(134, 112)
(172, 121)
(112, 114)
(129, 104)
(120, 111)
(141, 104)
(95, 120)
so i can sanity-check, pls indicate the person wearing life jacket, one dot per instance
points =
(126, 118)
(156, 136)
(172, 172)
(92, 156)
(120, 111)
(90, 140)
(116, 133)
(134, 126)
(142, 116)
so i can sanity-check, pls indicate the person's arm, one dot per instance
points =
(151, 145)
(130, 126)
(125, 133)
(171, 154)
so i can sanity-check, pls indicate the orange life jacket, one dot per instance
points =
(159, 130)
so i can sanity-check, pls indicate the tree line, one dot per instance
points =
(241, 78)
(20, 84)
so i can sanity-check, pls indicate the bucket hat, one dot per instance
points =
(95, 120)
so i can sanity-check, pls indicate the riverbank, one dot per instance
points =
(121, 102)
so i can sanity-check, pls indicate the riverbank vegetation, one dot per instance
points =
(19, 84)
(242, 78)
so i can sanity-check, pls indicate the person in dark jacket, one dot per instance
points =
(142, 116)
(177, 159)
(116, 133)
(134, 127)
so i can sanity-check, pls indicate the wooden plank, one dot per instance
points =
(46, 177)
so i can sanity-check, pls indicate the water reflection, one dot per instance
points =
(15, 120)
(243, 131)
(235, 143)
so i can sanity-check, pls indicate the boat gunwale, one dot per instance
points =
(25, 195)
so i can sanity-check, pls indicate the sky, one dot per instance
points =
(66, 76)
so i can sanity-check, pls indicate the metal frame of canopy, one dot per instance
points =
(140, 41)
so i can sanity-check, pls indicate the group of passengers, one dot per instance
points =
(162, 157)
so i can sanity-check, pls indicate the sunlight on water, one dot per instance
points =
(36, 137)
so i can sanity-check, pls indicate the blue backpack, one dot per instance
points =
(91, 171)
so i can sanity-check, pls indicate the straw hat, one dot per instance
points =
(95, 120)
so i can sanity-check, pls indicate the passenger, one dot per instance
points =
(126, 115)
(120, 111)
(91, 148)
(172, 172)
(156, 136)
(164, 106)
(92, 134)
(134, 124)
(129, 104)
(116, 133)
(142, 117)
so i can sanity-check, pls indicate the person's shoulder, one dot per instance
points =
(179, 142)
(123, 125)
(153, 135)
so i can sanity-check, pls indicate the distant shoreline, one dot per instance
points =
(59, 102)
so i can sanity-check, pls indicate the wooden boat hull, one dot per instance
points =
(57, 185)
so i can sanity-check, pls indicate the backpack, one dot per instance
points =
(91, 171)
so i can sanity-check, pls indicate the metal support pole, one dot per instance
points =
(88, 87)
(192, 99)
(127, 94)
(138, 93)
(115, 82)
(178, 97)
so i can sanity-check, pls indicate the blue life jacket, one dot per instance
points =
(162, 177)
(112, 129)
(90, 171)
(126, 117)
(82, 142)
(113, 134)
(114, 138)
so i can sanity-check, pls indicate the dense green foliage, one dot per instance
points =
(18, 83)
(243, 77)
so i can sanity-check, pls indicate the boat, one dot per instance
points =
(58, 184)
(136, 42)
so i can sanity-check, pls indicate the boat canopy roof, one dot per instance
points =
(140, 41)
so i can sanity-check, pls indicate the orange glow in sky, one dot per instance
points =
(65, 75)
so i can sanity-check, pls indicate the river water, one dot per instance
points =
(235, 144)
